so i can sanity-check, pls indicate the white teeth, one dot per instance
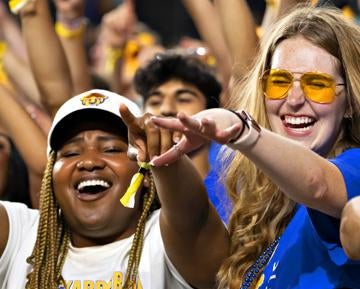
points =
(90, 183)
(298, 120)
(302, 128)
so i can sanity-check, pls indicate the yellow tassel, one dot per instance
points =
(128, 199)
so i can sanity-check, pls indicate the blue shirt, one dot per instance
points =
(215, 188)
(309, 254)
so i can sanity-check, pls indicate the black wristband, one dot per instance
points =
(243, 127)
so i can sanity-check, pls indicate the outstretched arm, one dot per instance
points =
(187, 220)
(322, 185)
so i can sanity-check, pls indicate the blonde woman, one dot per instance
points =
(84, 237)
(298, 164)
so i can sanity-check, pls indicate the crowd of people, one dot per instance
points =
(223, 162)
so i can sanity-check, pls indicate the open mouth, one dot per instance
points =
(298, 123)
(94, 186)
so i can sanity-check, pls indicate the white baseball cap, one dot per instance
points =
(92, 100)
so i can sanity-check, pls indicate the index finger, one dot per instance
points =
(128, 118)
(169, 123)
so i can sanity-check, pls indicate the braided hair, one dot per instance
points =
(53, 237)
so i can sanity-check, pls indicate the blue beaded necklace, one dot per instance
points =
(260, 262)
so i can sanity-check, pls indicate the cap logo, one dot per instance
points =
(93, 99)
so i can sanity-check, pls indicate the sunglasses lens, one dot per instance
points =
(318, 87)
(276, 83)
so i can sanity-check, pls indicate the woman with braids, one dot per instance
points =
(83, 236)
(294, 170)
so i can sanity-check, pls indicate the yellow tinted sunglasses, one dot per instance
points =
(317, 86)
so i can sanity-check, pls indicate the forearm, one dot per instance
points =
(276, 9)
(240, 32)
(188, 222)
(28, 137)
(211, 32)
(76, 56)
(115, 69)
(21, 76)
(185, 202)
(12, 35)
(285, 6)
(300, 173)
(47, 58)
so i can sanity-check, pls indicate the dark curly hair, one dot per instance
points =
(171, 65)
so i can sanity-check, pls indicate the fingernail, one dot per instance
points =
(154, 158)
(176, 139)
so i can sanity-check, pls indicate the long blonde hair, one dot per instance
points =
(261, 212)
(53, 237)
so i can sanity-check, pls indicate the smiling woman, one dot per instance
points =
(83, 237)
(295, 151)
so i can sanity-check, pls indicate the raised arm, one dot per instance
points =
(322, 185)
(28, 137)
(71, 28)
(240, 33)
(46, 56)
(117, 27)
(12, 33)
(195, 239)
(277, 8)
(211, 32)
(21, 75)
